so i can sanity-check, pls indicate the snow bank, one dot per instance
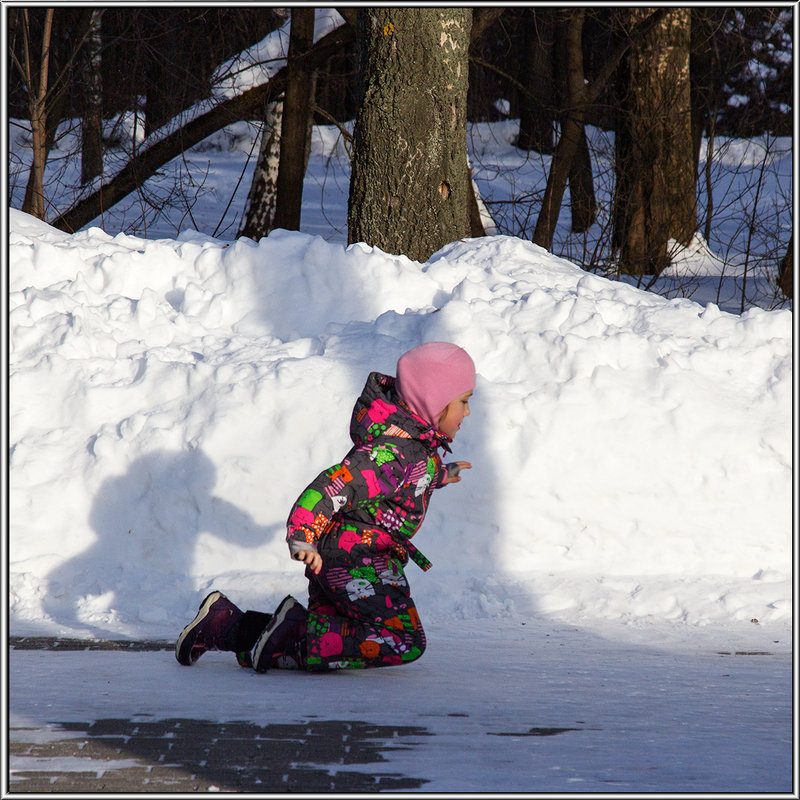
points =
(169, 399)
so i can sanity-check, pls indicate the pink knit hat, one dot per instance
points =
(433, 374)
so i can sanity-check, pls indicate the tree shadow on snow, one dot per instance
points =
(148, 522)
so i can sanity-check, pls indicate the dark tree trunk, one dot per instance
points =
(786, 273)
(409, 189)
(567, 54)
(537, 108)
(92, 121)
(482, 18)
(158, 103)
(704, 63)
(296, 125)
(572, 133)
(36, 79)
(581, 187)
(475, 222)
(655, 168)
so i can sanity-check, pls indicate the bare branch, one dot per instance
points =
(147, 161)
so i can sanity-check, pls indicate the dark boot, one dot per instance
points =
(244, 634)
(282, 635)
(213, 628)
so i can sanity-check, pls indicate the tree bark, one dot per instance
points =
(92, 121)
(582, 201)
(786, 271)
(571, 133)
(147, 161)
(655, 186)
(260, 207)
(46, 79)
(295, 127)
(537, 108)
(475, 222)
(409, 187)
(33, 202)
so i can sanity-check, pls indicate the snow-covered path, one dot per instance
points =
(538, 707)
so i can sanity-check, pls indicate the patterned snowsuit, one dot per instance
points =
(360, 515)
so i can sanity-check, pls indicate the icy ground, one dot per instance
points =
(493, 706)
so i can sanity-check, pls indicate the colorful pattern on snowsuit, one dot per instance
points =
(379, 493)
(360, 515)
(360, 616)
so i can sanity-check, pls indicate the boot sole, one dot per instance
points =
(280, 614)
(184, 655)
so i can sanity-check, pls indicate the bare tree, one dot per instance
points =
(296, 122)
(579, 97)
(45, 46)
(259, 213)
(151, 156)
(409, 184)
(35, 77)
(92, 120)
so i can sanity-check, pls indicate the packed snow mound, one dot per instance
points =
(169, 400)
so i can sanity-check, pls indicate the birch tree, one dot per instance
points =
(259, 212)
(92, 120)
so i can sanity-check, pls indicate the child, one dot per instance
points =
(352, 528)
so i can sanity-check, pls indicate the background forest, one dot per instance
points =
(671, 87)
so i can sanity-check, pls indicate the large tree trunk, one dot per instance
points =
(296, 124)
(259, 211)
(92, 121)
(409, 188)
(655, 186)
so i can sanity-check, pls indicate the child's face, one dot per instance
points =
(453, 415)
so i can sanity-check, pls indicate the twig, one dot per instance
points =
(238, 183)
(346, 135)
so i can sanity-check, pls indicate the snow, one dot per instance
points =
(170, 399)
(627, 520)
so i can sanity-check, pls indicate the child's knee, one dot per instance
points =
(416, 647)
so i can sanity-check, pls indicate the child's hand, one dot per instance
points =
(312, 559)
(454, 476)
